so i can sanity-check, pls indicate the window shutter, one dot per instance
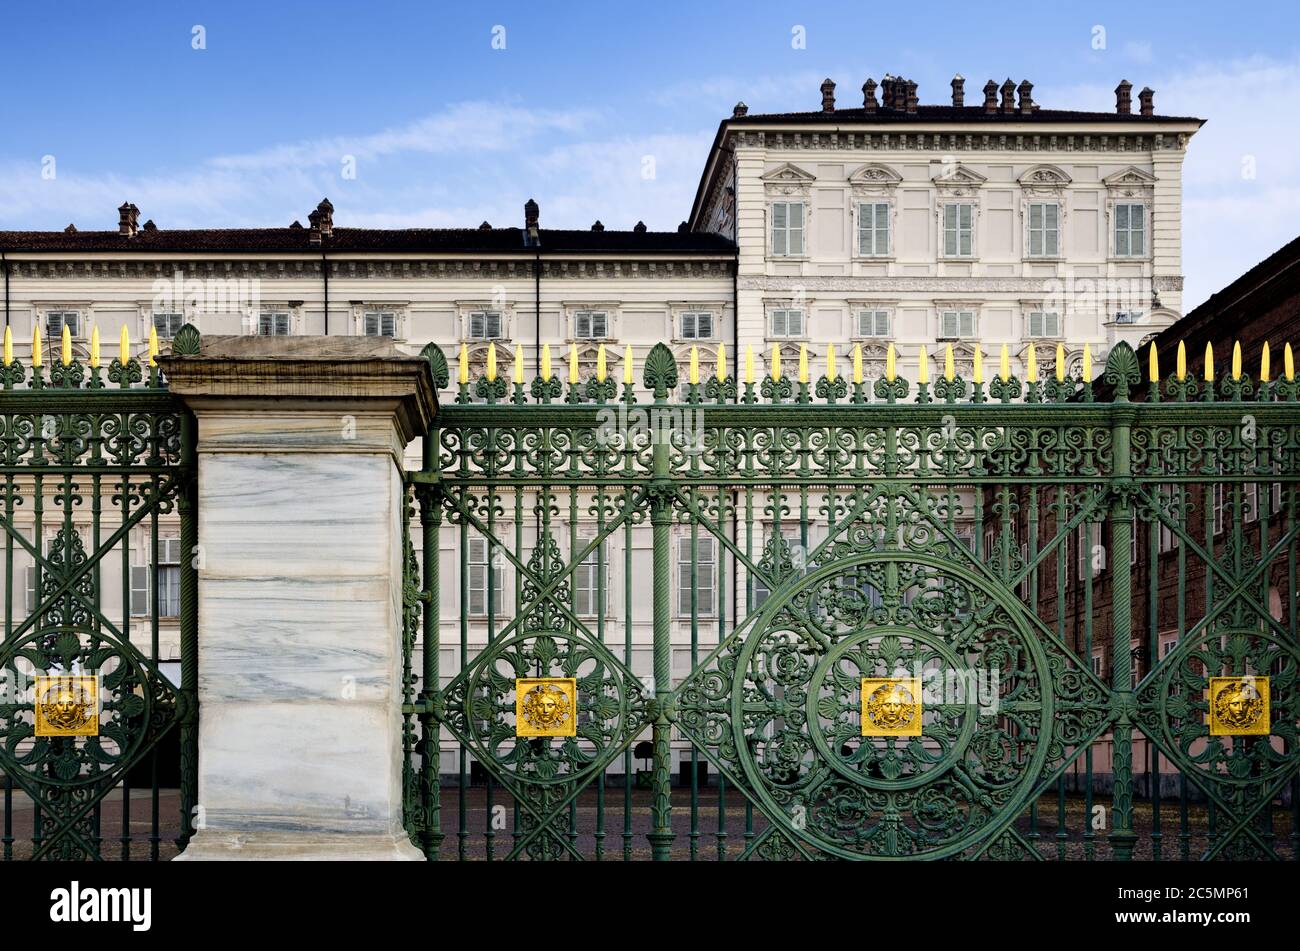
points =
(30, 579)
(1035, 324)
(882, 229)
(779, 228)
(1051, 240)
(866, 215)
(778, 323)
(949, 324)
(967, 323)
(964, 232)
(796, 228)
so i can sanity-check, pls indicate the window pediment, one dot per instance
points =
(1044, 176)
(958, 177)
(1131, 181)
(874, 173)
(787, 179)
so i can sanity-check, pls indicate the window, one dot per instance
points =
(955, 324)
(1044, 229)
(1096, 664)
(30, 578)
(485, 325)
(1127, 316)
(586, 579)
(873, 323)
(168, 325)
(478, 563)
(787, 322)
(958, 230)
(1167, 647)
(1089, 544)
(1220, 504)
(703, 573)
(56, 320)
(787, 228)
(1130, 230)
(1044, 324)
(590, 324)
(1169, 540)
(169, 582)
(873, 229)
(697, 325)
(273, 323)
(380, 323)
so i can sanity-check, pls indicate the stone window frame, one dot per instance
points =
(253, 318)
(857, 306)
(1130, 186)
(677, 308)
(960, 185)
(465, 308)
(959, 306)
(875, 184)
(1044, 184)
(613, 321)
(401, 326)
(85, 311)
(787, 183)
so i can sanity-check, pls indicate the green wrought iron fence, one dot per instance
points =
(841, 619)
(99, 715)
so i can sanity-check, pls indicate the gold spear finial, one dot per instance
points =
(1153, 364)
(721, 367)
(1180, 366)
(891, 358)
(693, 375)
(749, 363)
(65, 346)
(949, 367)
(546, 361)
(803, 363)
(492, 362)
(1031, 365)
(94, 347)
(978, 370)
(153, 346)
(462, 373)
(1060, 363)
(628, 369)
(1236, 360)
(600, 363)
(124, 346)
(922, 367)
(573, 362)
(776, 361)
(1209, 362)
(857, 363)
(1087, 363)
(9, 346)
(519, 363)
(1264, 364)
(1288, 363)
(36, 345)
(1004, 363)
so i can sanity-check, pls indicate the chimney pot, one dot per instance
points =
(912, 99)
(990, 97)
(326, 213)
(958, 91)
(1146, 99)
(740, 109)
(828, 95)
(869, 95)
(639, 227)
(313, 232)
(296, 225)
(1008, 96)
(149, 226)
(485, 227)
(597, 226)
(128, 220)
(70, 229)
(1124, 97)
(1026, 90)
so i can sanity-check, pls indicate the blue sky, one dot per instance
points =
(446, 130)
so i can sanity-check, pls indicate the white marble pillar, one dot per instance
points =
(300, 443)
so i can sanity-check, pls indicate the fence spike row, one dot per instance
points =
(1236, 360)
(949, 367)
(891, 358)
(1060, 363)
(9, 346)
(94, 347)
(36, 345)
(628, 369)
(693, 378)
(546, 361)
(978, 370)
(1288, 363)
(720, 370)
(601, 370)
(1031, 365)
(1153, 365)
(749, 363)
(519, 365)
(831, 373)
(1181, 368)
(922, 367)
(492, 362)
(1209, 362)
(857, 363)
(1264, 364)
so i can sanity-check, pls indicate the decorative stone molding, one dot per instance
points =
(787, 180)
(956, 141)
(922, 285)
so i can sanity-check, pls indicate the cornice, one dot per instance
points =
(924, 285)
(961, 141)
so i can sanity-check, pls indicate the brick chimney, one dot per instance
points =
(326, 211)
(1008, 97)
(869, 95)
(1124, 97)
(958, 91)
(828, 95)
(128, 220)
(1026, 89)
(313, 230)
(900, 94)
(911, 96)
(1146, 101)
(532, 215)
(990, 97)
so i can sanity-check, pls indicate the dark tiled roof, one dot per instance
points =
(964, 114)
(374, 240)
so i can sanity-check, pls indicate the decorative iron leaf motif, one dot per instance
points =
(437, 365)
(660, 373)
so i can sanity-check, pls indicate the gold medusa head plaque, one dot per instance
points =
(67, 705)
(546, 706)
(891, 706)
(1239, 706)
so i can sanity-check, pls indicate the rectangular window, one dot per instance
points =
(703, 572)
(477, 561)
(1130, 230)
(168, 325)
(1089, 544)
(1096, 664)
(958, 229)
(787, 322)
(485, 325)
(957, 324)
(56, 320)
(1044, 229)
(787, 228)
(697, 325)
(380, 323)
(1168, 539)
(273, 324)
(1044, 324)
(586, 579)
(873, 229)
(30, 580)
(1220, 505)
(873, 323)
(169, 582)
(590, 324)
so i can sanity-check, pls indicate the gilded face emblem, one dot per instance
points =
(546, 707)
(67, 711)
(1238, 704)
(67, 705)
(891, 707)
